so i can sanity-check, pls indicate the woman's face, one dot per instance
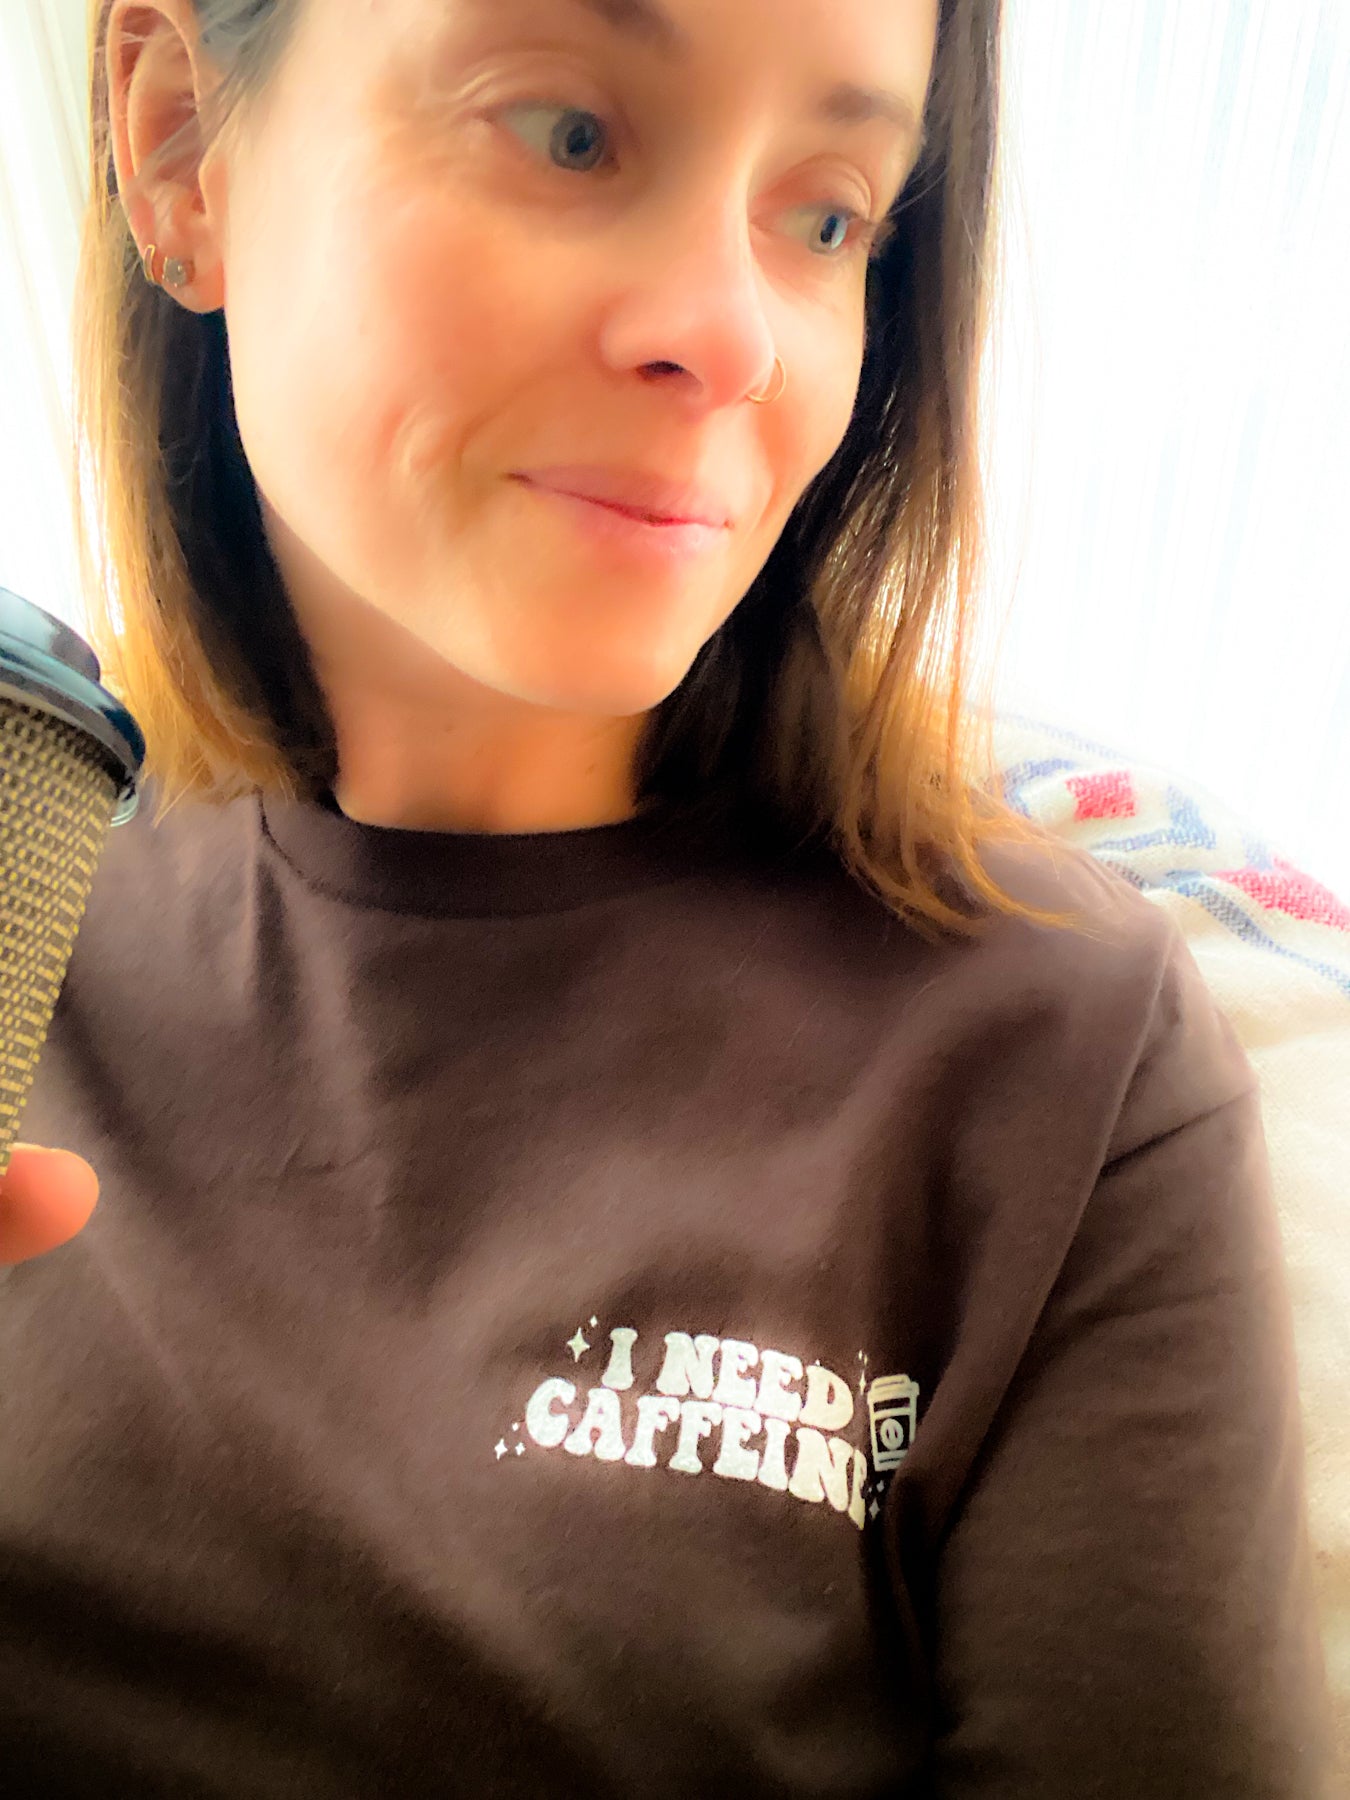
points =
(465, 242)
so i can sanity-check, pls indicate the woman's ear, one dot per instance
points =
(158, 80)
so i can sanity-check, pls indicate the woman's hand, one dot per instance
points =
(46, 1198)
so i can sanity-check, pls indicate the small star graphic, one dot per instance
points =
(500, 1450)
(874, 1509)
(515, 1425)
(520, 1449)
(594, 1321)
(577, 1345)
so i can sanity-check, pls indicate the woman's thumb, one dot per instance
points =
(46, 1198)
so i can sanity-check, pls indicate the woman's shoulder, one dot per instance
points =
(1109, 922)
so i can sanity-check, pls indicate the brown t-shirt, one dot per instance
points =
(614, 1313)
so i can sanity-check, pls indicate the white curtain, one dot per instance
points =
(1170, 449)
(1170, 444)
(43, 138)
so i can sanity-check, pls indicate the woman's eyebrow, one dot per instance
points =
(847, 104)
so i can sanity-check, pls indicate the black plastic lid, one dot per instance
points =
(44, 663)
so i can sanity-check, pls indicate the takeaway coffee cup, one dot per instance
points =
(70, 764)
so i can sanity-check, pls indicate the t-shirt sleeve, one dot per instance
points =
(1124, 1599)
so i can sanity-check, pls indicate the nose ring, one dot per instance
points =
(763, 399)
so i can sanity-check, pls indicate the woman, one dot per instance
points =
(644, 1252)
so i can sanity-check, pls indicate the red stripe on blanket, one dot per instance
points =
(1289, 890)
(1108, 795)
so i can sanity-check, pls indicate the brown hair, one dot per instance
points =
(838, 697)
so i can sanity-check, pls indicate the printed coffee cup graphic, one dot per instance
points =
(892, 1410)
(70, 761)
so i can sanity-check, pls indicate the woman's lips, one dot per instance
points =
(631, 512)
(641, 493)
(621, 530)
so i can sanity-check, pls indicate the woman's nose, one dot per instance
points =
(698, 300)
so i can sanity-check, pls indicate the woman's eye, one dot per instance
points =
(573, 137)
(577, 143)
